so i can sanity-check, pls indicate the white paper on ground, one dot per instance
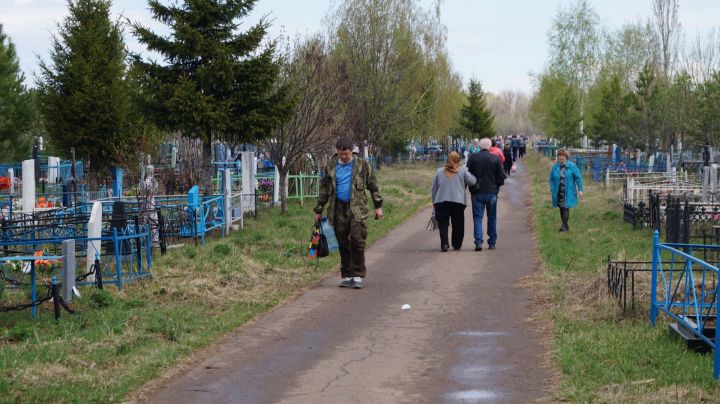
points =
(405, 307)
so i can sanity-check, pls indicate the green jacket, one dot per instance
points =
(363, 178)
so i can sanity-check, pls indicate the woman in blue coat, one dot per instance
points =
(566, 184)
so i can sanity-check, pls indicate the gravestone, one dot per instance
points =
(67, 276)
(651, 163)
(94, 231)
(173, 157)
(248, 181)
(28, 186)
(11, 175)
(53, 172)
(118, 221)
(117, 182)
(276, 187)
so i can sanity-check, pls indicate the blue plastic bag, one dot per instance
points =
(329, 232)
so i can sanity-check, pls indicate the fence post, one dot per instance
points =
(302, 192)
(227, 198)
(118, 260)
(653, 286)
(68, 269)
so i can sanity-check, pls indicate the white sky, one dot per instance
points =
(496, 41)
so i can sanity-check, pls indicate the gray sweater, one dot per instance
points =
(451, 189)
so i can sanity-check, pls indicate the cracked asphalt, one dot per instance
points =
(467, 337)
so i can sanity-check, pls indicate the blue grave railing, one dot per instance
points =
(684, 287)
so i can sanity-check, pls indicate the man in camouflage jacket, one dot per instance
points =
(343, 189)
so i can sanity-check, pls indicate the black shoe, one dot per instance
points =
(346, 283)
(491, 247)
(444, 247)
(456, 248)
(478, 248)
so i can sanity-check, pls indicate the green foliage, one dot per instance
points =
(102, 298)
(221, 250)
(17, 109)
(709, 107)
(22, 331)
(644, 109)
(610, 121)
(565, 117)
(85, 99)
(218, 83)
(476, 116)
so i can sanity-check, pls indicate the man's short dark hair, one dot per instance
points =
(344, 143)
(493, 142)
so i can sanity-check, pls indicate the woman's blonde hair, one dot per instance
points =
(452, 165)
(563, 152)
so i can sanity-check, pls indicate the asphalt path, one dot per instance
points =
(466, 337)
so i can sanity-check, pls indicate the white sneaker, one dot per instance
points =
(346, 282)
(357, 282)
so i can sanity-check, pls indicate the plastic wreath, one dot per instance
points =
(314, 241)
(4, 183)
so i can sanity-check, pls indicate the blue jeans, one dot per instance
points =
(480, 203)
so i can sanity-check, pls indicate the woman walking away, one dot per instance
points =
(566, 184)
(448, 196)
(507, 165)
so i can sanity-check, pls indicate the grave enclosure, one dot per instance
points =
(55, 232)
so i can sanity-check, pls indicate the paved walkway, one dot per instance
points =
(465, 339)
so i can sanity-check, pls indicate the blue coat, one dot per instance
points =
(573, 184)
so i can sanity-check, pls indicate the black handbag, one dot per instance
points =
(322, 248)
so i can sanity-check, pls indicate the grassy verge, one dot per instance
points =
(605, 355)
(121, 339)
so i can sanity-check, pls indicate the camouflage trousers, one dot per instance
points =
(351, 236)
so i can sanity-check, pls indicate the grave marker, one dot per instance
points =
(28, 186)
(94, 231)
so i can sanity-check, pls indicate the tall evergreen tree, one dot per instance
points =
(565, 117)
(610, 122)
(213, 86)
(476, 116)
(16, 104)
(84, 95)
(645, 108)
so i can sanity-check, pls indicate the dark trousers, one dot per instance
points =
(445, 212)
(351, 236)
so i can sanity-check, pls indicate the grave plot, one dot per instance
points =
(684, 288)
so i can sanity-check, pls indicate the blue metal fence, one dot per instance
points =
(685, 288)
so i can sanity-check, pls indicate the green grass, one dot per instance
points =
(603, 354)
(121, 339)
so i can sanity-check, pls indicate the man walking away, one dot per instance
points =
(488, 171)
(515, 143)
(343, 188)
(523, 144)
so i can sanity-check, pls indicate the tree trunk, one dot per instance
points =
(283, 191)
(206, 176)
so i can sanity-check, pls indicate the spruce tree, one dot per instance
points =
(16, 105)
(476, 116)
(214, 84)
(84, 95)
(610, 122)
(565, 117)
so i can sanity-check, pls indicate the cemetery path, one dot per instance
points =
(466, 337)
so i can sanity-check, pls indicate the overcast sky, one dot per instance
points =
(498, 42)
